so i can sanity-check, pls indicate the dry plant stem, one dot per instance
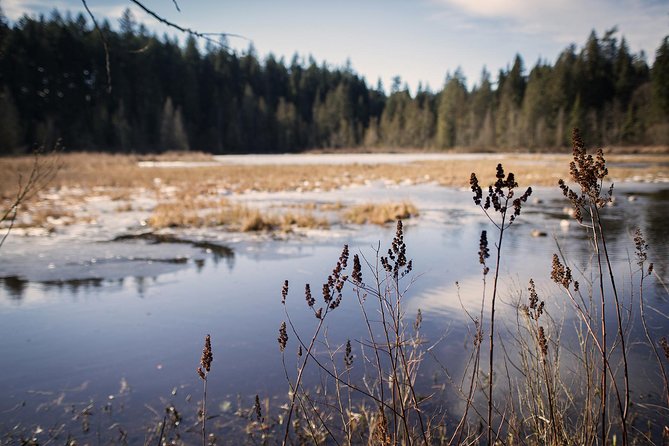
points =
(300, 372)
(498, 200)
(203, 372)
(603, 387)
(162, 430)
(340, 406)
(642, 307)
(410, 380)
(586, 318)
(204, 413)
(393, 378)
(310, 425)
(621, 333)
(492, 329)
(333, 376)
(459, 430)
(379, 369)
(598, 236)
(476, 355)
(377, 356)
(399, 351)
(549, 392)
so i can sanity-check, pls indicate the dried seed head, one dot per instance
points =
(348, 356)
(332, 290)
(283, 337)
(397, 262)
(476, 189)
(256, 409)
(484, 252)
(500, 194)
(284, 292)
(588, 173)
(307, 295)
(560, 274)
(543, 342)
(535, 308)
(641, 248)
(357, 270)
(207, 357)
(518, 203)
(534, 297)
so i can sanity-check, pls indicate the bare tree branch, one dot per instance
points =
(104, 43)
(42, 172)
(189, 31)
(161, 19)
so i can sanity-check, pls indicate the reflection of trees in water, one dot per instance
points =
(649, 213)
(15, 286)
(74, 285)
(657, 230)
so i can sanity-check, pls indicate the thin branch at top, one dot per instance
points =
(192, 32)
(104, 44)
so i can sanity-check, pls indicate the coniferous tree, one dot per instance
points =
(451, 112)
(660, 94)
(53, 84)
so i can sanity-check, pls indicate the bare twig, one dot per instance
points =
(104, 44)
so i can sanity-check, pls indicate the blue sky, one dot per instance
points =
(419, 40)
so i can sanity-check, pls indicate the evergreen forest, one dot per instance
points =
(162, 95)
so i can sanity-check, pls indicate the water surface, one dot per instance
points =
(120, 324)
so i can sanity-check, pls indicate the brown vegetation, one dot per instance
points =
(380, 213)
(122, 171)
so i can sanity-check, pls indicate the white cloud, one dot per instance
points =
(502, 8)
(642, 22)
(15, 9)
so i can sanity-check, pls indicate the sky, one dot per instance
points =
(419, 40)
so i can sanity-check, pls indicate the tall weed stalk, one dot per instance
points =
(501, 199)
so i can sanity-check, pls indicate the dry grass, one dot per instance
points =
(190, 196)
(232, 216)
(380, 213)
(121, 171)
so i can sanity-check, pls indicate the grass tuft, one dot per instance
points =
(381, 213)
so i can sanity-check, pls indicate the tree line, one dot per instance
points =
(166, 96)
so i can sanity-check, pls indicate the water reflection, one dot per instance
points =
(14, 285)
(82, 276)
(155, 342)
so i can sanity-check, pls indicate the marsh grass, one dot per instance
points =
(538, 391)
(231, 216)
(81, 176)
(106, 171)
(380, 213)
